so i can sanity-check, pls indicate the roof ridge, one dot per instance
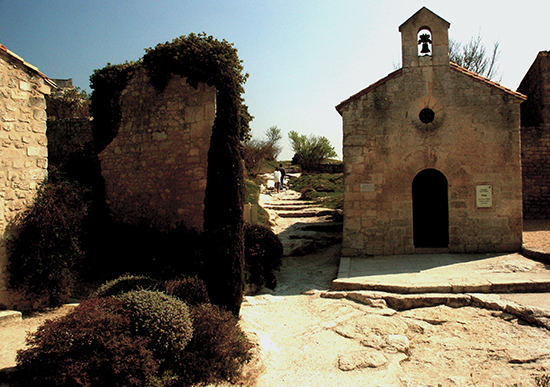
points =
(381, 81)
(481, 78)
(11, 54)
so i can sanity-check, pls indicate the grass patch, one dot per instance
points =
(326, 189)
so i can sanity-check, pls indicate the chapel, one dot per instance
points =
(432, 155)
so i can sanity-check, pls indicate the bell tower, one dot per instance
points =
(425, 40)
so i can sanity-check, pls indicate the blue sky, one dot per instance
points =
(303, 56)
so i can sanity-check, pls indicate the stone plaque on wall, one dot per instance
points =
(484, 196)
(367, 187)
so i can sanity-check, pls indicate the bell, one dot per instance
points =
(425, 49)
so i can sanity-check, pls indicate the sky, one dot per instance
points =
(304, 57)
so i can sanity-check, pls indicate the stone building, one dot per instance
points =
(23, 143)
(535, 138)
(432, 155)
(155, 168)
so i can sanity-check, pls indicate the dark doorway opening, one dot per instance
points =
(430, 209)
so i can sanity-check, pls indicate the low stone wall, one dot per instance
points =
(155, 168)
(535, 149)
(23, 145)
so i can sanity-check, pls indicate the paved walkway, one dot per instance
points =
(444, 273)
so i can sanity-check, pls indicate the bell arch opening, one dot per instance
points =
(430, 209)
(424, 42)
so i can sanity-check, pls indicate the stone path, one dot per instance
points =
(302, 226)
(310, 335)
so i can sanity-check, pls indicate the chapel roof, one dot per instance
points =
(453, 65)
(13, 56)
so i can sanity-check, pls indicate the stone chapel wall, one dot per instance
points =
(431, 118)
(155, 168)
(23, 144)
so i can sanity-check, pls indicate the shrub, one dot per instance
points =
(263, 256)
(125, 284)
(190, 290)
(92, 345)
(164, 318)
(217, 350)
(47, 249)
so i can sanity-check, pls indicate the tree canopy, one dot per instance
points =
(310, 151)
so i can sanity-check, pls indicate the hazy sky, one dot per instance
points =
(303, 56)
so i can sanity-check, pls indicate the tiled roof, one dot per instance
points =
(478, 77)
(17, 58)
(393, 75)
(454, 66)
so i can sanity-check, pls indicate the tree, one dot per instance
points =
(255, 152)
(474, 57)
(273, 135)
(70, 103)
(310, 151)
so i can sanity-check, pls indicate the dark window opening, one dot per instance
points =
(426, 115)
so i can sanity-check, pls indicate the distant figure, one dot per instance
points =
(283, 174)
(277, 179)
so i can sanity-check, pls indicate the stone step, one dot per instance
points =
(286, 207)
(8, 316)
(314, 212)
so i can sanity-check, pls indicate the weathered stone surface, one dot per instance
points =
(155, 169)
(23, 145)
(361, 359)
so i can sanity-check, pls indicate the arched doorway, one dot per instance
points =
(430, 209)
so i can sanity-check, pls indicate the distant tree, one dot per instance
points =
(310, 151)
(255, 152)
(474, 57)
(71, 103)
(273, 135)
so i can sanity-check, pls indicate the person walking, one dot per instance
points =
(277, 179)
(283, 174)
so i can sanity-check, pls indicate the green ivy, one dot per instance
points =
(107, 84)
(201, 58)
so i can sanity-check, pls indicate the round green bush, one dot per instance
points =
(217, 350)
(164, 318)
(263, 256)
(190, 290)
(125, 284)
(91, 346)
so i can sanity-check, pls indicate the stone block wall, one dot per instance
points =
(535, 138)
(155, 168)
(535, 149)
(473, 140)
(23, 144)
(536, 86)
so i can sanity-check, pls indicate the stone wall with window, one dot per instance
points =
(155, 168)
(23, 144)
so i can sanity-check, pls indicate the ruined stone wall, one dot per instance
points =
(535, 150)
(535, 138)
(536, 86)
(155, 168)
(473, 140)
(23, 144)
